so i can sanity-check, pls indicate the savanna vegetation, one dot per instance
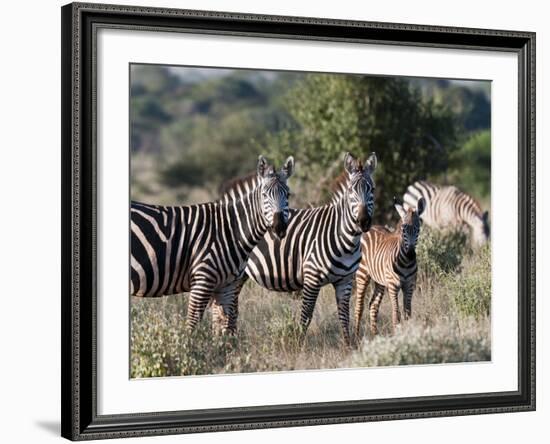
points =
(193, 129)
(450, 323)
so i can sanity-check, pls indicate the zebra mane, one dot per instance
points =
(233, 189)
(237, 182)
(338, 185)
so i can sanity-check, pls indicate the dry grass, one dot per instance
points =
(451, 323)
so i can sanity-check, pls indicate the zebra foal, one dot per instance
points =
(449, 207)
(389, 259)
(203, 249)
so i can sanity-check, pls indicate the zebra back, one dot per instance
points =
(449, 207)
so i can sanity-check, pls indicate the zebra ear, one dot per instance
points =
(350, 163)
(288, 167)
(401, 211)
(420, 206)
(399, 207)
(371, 163)
(263, 166)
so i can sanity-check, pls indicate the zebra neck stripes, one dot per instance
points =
(348, 228)
(246, 210)
(404, 263)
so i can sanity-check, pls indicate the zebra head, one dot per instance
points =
(410, 223)
(274, 194)
(360, 189)
(480, 230)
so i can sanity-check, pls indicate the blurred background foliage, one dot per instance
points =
(194, 128)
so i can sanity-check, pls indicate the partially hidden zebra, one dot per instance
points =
(203, 249)
(322, 246)
(449, 207)
(389, 259)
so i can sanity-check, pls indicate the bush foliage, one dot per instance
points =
(440, 252)
(416, 344)
(471, 289)
(161, 347)
(412, 136)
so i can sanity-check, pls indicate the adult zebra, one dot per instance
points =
(203, 248)
(389, 259)
(322, 246)
(449, 207)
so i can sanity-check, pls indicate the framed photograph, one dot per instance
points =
(282, 221)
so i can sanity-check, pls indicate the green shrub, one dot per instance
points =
(440, 252)
(471, 289)
(361, 114)
(161, 346)
(416, 344)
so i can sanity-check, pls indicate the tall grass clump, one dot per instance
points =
(285, 332)
(415, 344)
(440, 252)
(471, 289)
(161, 346)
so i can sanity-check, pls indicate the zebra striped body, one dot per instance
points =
(203, 248)
(389, 259)
(448, 207)
(322, 246)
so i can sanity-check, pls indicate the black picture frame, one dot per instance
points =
(80, 22)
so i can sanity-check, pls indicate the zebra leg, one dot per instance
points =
(361, 284)
(198, 301)
(225, 308)
(374, 306)
(393, 290)
(407, 300)
(235, 301)
(310, 293)
(343, 295)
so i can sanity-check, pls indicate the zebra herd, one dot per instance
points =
(210, 250)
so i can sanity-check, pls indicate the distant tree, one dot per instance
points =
(222, 132)
(470, 166)
(150, 86)
(218, 150)
(411, 135)
(153, 79)
(471, 106)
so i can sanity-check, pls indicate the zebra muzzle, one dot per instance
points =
(279, 224)
(364, 220)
